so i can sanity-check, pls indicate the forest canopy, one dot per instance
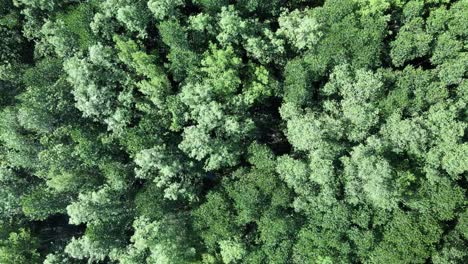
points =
(233, 131)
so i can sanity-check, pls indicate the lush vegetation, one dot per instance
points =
(221, 131)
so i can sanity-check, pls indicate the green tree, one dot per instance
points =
(413, 241)
(411, 42)
(43, 202)
(19, 247)
(217, 104)
(300, 28)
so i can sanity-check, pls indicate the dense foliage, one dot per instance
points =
(222, 131)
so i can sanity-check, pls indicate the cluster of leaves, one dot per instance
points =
(249, 131)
